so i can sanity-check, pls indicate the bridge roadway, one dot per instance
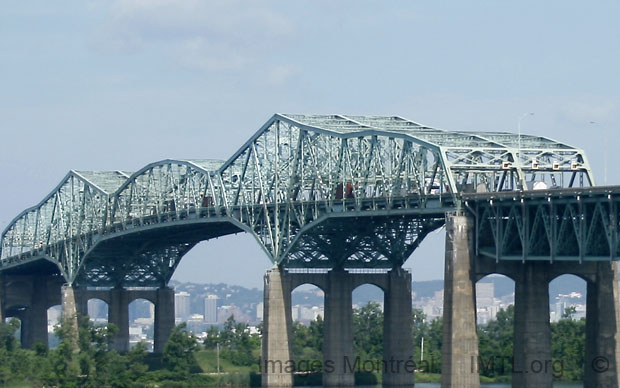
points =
(337, 202)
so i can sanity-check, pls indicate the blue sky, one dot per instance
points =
(107, 85)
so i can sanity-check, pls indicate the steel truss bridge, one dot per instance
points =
(321, 191)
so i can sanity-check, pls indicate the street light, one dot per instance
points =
(604, 151)
(524, 115)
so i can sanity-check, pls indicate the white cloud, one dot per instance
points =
(205, 35)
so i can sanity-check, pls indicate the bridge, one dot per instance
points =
(336, 201)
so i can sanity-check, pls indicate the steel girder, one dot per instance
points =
(301, 185)
(577, 225)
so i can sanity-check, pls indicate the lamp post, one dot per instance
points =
(604, 151)
(524, 115)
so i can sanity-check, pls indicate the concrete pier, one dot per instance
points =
(602, 318)
(533, 366)
(2, 292)
(460, 339)
(397, 329)
(81, 300)
(276, 359)
(164, 318)
(28, 297)
(34, 319)
(338, 357)
(70, 314)
(118, 314)
(339, 362)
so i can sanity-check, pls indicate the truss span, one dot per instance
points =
(303, 185)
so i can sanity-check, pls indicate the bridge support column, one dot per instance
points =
(81, 300)
(602, 318)
(460, 339)
(34, 319)
(532, 333)
(2, 292)
(338, 332)
(118, 314)
(70, 313)
(164, 318)
(397, 326)
(277, 331)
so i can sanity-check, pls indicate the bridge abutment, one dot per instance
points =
(460, 339)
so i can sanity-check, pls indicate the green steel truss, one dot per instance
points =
(315, 191)
(574, 224)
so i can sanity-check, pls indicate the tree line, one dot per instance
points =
(94, 364)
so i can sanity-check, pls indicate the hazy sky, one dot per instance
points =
(114, 85)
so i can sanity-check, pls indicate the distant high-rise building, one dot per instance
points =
(485, 295)
(295, 312)
(259, 311)
(181, 305)
(211, 309)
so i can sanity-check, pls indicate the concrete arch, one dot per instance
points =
(373, 284)
(318, 285)
(378, 280)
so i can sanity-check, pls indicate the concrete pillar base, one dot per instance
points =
(602, 318)
(338, 357)
(118, 314)
(460, 339)
(34, 319)
(164, 318)
(532, 334)
(276, 360)
(2, 293)
(397, 328)
(81, 300)
(69, 314)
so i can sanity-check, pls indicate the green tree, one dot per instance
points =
(496, 343)
(568, 339)
(179, 352)
(212, 338)
(7, 335)
(307, 343)
(368, 332)
(238, 345)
